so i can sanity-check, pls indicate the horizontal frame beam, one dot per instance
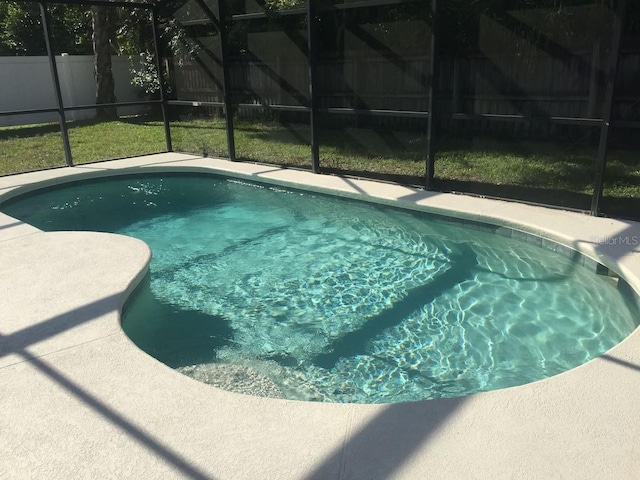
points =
(284, 108)
(78, 107)
(320, 8)
(588, 122)
(365, 4)
(96, 3)
(201, 22)
(273, 14)
(28, 112)
(117, 104)
(191, 103)
(380, 113)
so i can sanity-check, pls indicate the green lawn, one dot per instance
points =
(386, 154)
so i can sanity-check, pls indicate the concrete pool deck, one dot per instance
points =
(79, 400)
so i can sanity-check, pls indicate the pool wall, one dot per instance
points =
(78, 396)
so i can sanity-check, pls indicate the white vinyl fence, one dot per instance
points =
(26, 83)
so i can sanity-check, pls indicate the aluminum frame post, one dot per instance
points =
(430, 156)
(56, 85)
(312, 59)
(163, 97)
(612, 68)
(226, 82)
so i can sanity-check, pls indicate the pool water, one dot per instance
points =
(281, 293)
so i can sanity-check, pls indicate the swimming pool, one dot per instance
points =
(285, 293)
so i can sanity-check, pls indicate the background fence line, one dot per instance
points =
(540, 86)
(25, 86)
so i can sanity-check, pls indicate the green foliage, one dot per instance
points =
(275, 5)
(4, 7)
(178, 42)
(146, 75)
(21, 30)
(132, 32)
(129, 33)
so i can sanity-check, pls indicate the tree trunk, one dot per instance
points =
(105, 86)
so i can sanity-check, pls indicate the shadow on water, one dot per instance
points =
(175, 336)
(168, 274)
(630, 298)
(463, 263)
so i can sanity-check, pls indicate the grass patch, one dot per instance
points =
(398, 156)
(523, 164)
(200, 137)
(127, 137)
(537, 165)
(36, 147)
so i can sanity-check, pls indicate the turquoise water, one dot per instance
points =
(287, 294)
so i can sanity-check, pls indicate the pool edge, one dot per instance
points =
(580, 423)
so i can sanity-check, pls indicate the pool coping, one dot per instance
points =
(79, 397)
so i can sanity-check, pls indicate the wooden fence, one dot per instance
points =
(538, 86)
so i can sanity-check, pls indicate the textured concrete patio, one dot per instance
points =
(79, 400)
